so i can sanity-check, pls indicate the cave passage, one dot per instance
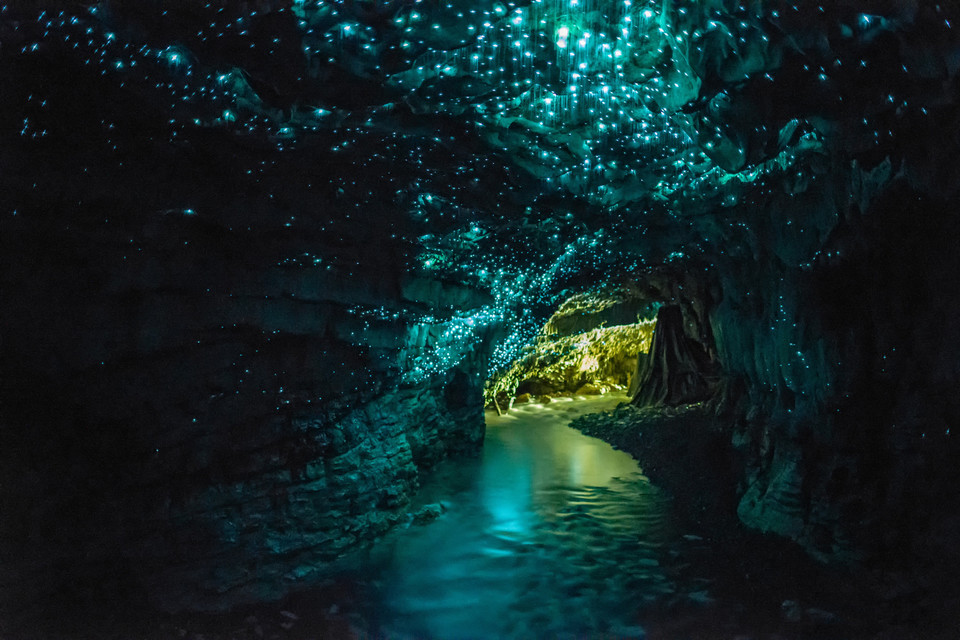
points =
(548, 531)
(264, 265)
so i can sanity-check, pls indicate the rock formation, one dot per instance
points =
(676, 367)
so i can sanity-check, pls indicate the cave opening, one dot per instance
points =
(594, 343)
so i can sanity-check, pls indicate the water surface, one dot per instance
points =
(547, 533)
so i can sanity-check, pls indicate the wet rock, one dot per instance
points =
(536, 387)
(428, 513)
(775, 504)
(577, 350)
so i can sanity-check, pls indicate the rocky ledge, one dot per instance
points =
(761, 585)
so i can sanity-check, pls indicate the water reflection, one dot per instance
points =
(549, 533)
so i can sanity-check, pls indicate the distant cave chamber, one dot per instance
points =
(590, 345)
(653, 359)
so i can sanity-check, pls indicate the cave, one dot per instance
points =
(500, 318)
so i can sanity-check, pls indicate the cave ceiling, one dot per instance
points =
(510, 144)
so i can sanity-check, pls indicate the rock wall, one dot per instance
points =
(188, 415)
(827, 290)
(837, 367)
(676, 369)
(301, 501)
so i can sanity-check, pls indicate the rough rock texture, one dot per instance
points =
(587, 311)
(824, 383)
(590, 345)
(189, 418)
(764, 585)
(676, 369)
(832, 372)
(332, 487)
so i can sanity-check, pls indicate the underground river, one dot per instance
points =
(547, 533)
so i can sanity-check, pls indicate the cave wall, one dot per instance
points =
(829, 327)
(837, 355)
(191, 417)
(820, 286)
(676, 369)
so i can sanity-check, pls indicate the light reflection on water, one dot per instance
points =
(548, 533)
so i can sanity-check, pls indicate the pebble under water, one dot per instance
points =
(548, 533)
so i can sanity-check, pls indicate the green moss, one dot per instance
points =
(595, 361)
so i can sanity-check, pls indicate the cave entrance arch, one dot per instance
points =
(597, 343)
(591, 345)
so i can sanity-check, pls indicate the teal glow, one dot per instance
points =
(543, 500)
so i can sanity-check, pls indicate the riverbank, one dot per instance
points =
(753, 585)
